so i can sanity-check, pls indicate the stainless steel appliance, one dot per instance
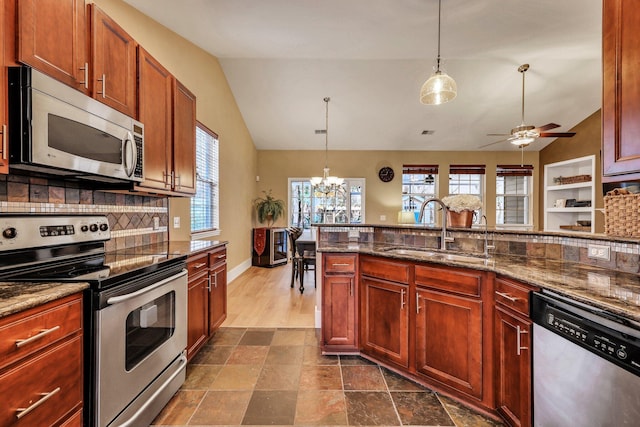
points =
(58, 130)
(586, 365)
(274, 252)
(135, 322)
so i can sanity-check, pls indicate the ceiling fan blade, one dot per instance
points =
(492, 143)
(548, 126)
(556, 134)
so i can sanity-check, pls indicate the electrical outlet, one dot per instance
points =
(176, 222)
(354, 234)
(156, 222)
(599, 252)
(383, 217)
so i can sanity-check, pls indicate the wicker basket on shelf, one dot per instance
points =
(622, 215)
(563, 180)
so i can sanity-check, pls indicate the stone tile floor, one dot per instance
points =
(278, 377)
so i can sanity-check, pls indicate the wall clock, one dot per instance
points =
(385, 174)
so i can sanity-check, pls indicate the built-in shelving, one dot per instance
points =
(560, 193)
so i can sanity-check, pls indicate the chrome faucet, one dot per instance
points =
(443, 237)
(486, 239)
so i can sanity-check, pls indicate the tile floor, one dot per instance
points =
(278, 377)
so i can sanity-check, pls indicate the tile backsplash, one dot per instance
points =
(130, 216)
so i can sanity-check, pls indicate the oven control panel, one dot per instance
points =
(25, 232)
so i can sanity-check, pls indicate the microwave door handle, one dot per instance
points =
(129, 148)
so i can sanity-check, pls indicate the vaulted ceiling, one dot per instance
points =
(282, 57)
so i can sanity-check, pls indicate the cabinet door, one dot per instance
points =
(621, 90)
(513, 367)
(218, 297)
(184, 140)
(155, 88)
(449, 340)
(339, 312)
(113, 63)
(385, 320)
(52, 37)
(4, 155)
(197, 314)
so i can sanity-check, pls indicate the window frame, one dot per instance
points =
(412, 201)
(313, 202)
(480, 171)
(525, 171)
(214, 182)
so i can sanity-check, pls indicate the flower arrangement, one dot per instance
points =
(462, 202)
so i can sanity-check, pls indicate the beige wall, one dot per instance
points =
(217, 109)
(275, 167)
(586, 141)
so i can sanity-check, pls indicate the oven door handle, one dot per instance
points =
(132, 421)
(125, 297)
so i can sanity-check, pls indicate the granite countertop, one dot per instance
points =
(610, 290)
(19, 296)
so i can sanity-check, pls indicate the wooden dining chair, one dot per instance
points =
(296, 258)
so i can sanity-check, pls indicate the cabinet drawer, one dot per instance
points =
(334, 263)
(197, 264)
(513, 295)
(217, 257)
(463, 282)
(53, 379)
(33, 330)
(385, 269)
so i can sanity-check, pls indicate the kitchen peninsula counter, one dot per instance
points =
(19, 296)
(610, 290)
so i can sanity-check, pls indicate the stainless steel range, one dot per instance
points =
(135, 322)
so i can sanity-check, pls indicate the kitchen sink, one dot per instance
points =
(431, 254)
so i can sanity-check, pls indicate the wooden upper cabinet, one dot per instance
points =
(621, 90)
(52, 37)
(184, 139)
(113, 54)
(155, 87)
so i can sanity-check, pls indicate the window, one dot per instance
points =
(204, 205)
(419, 183)
(468, 179)
(309, 206)
(513, 195)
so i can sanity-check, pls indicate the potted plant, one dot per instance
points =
(461, 209)
(268, 208)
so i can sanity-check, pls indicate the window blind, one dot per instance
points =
(467, 169)
(420, 169)
(204, 205)
(514, 170)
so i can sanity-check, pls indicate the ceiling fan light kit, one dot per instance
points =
(440, 87)
(523, 135)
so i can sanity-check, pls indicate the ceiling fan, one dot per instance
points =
(523, 135)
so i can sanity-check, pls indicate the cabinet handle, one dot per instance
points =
(519, 340)
(200, 264)
(338, 264)
(215, 280)
(21, 412)
(4, 142)
(104, 86)
(417, 303)
(209, 283)
(507, 296)
(85, 83)
(402, 302)
(43, 333)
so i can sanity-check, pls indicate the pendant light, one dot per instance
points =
(439, 88)
(326, 183)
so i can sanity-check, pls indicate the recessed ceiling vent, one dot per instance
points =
(428, 132)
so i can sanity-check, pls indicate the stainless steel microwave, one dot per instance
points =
(55, 129)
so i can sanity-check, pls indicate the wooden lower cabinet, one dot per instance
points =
(384, 320)
(207, 297)
(449, 340)
(41, 365)
(339, 303)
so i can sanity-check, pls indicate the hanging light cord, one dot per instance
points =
(439, 14)
(326, 134)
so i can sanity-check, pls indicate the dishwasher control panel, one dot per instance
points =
(582, 328)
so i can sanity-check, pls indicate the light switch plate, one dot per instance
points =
(176, 222)
(599, 252)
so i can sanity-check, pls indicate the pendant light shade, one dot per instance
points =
(440, 87)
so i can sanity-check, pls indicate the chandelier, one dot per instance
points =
(440, 87)
(326, 183)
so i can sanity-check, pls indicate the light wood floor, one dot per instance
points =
(262, 297)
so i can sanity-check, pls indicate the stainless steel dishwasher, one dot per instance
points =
(586, 365)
